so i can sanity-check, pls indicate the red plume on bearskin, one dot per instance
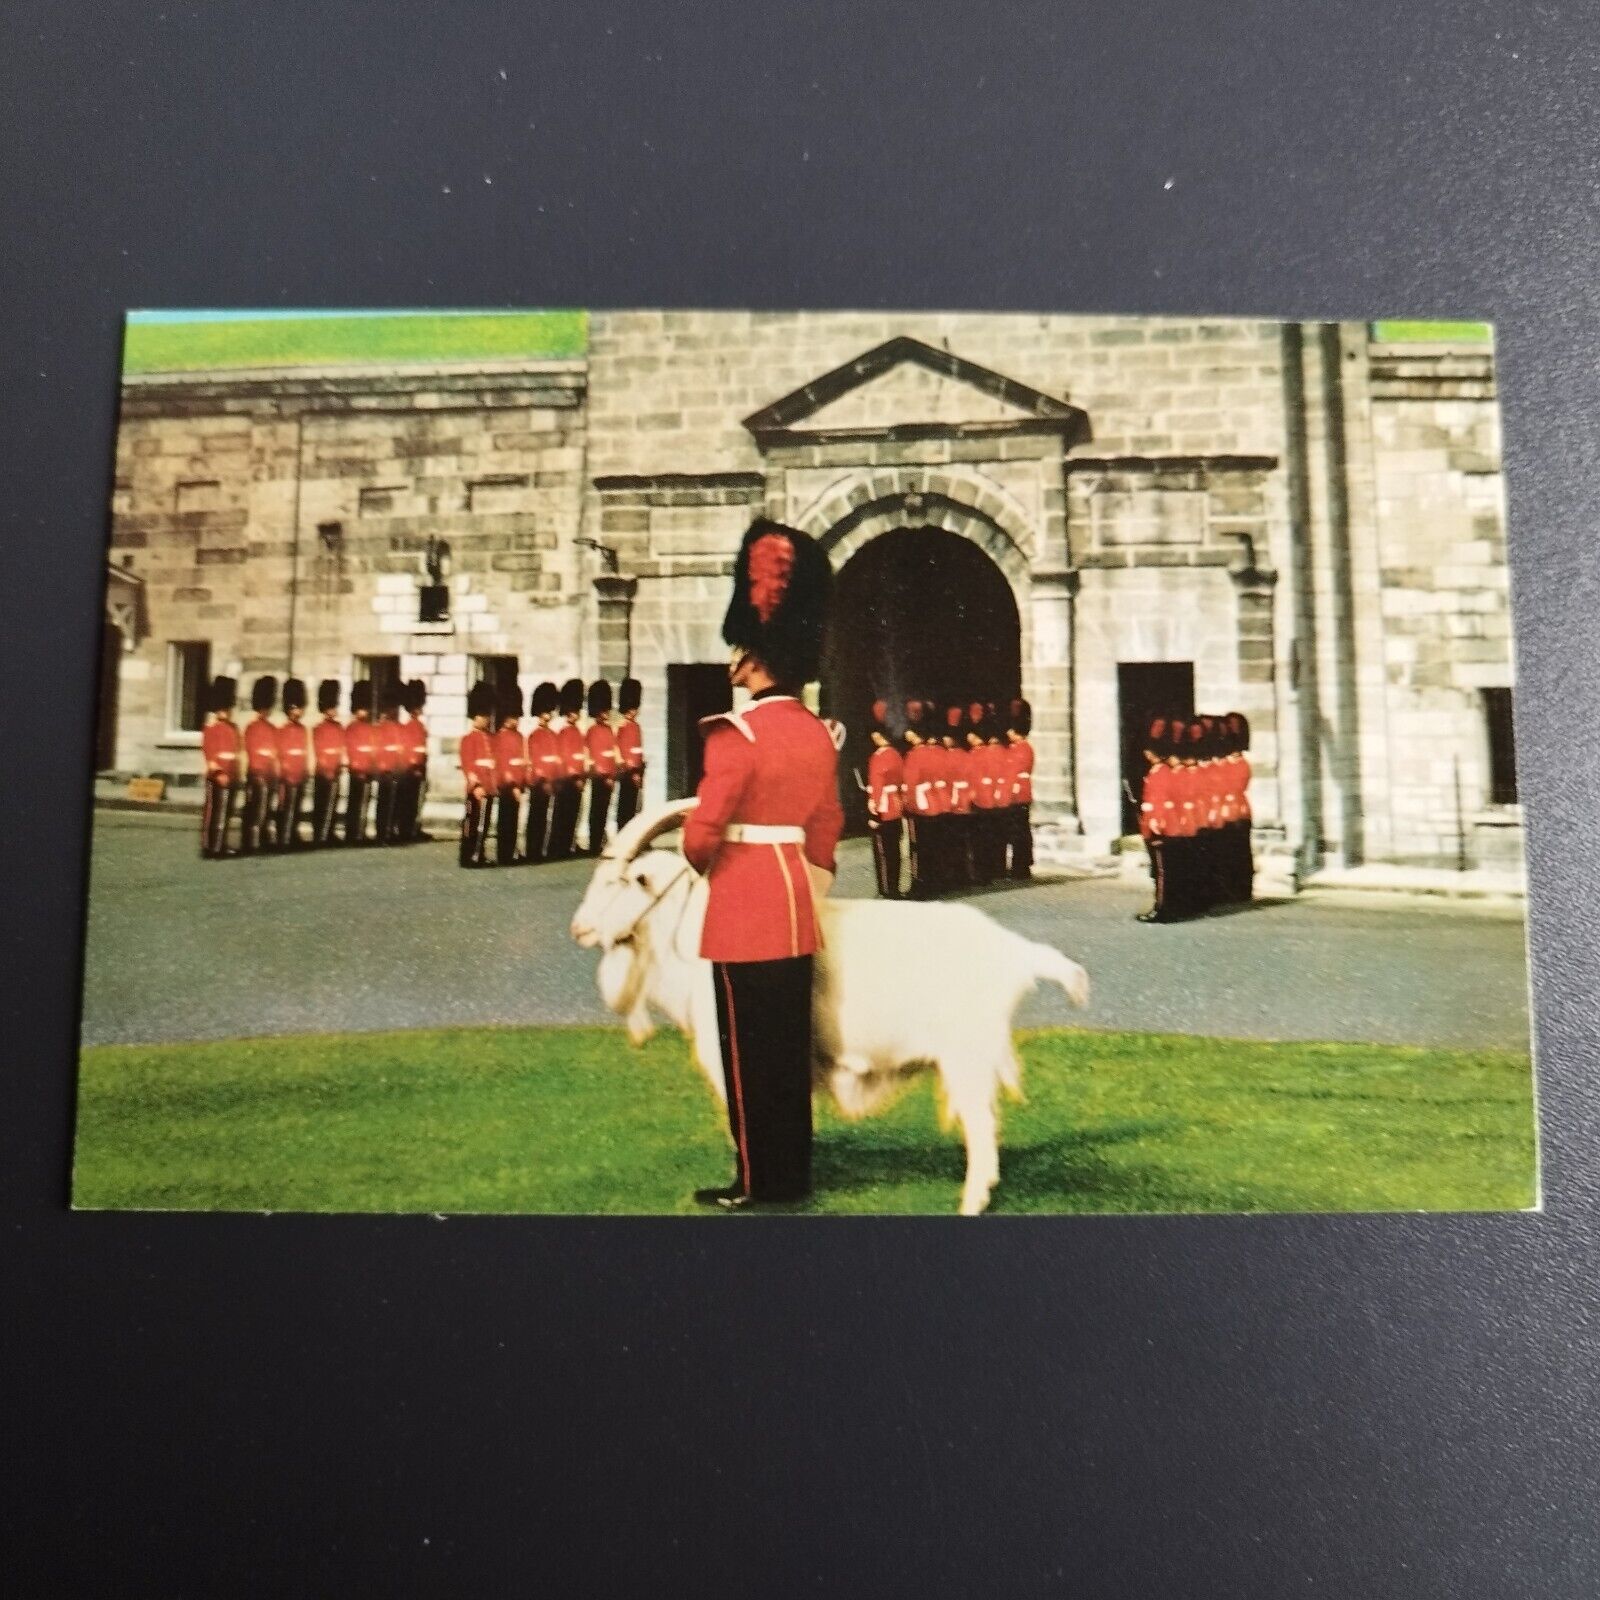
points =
(781, 586)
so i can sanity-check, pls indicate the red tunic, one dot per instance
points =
(1019, 769)
(1156, 803)
(886, 776)
(261, 748)
(361, 749)
(772, 765)
(923, 794)
(991, 776)
(393, 748)
(958, 765)
(478, 764)
(574, 752)
(1241, 783)
(294, 752)
(415, 735)
(630, 742)
(511, 758)
(219, 744)
(1185, 783)
(327, 739)
(605, 760)
(544, 756)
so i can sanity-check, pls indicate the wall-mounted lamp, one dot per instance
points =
(606, 553)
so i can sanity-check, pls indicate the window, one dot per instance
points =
(381, 500)
(499, 671)
(382, 672)
(502, 492)
(199, 494)
(188, 674)
(1502, 747)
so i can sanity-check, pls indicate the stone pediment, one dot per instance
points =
(906, 389)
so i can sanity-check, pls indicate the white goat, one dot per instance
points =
(900, 987)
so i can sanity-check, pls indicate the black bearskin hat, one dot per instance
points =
(264, 693)
(361, 696)
(952, 724)
(1021, 717)
(630, 695)
(224, 691)
(389, 700)
(570, 701)
(1239, 728)
(328, 695)
(414, 696)
(294, 695)
(888, 720)
(544, 699)
(599, 697)
(480, 699)
(1158, 736)
(508, 702)
(781, 586)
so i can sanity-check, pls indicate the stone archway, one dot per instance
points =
(918, 611)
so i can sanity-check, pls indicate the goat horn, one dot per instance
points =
(646, 826)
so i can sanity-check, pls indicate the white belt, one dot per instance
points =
(763, 833)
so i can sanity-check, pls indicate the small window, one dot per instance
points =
(498, 671)
(381, 500)
(433, 602)
(198, 494)
(382, 672)
(188, 673)
(1502, 747)
(502, 492)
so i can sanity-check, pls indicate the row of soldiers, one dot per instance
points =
(528, 791)
(1194, 814)
(957, 780)
(281, 781)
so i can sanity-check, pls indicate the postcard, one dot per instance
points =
(800, 763)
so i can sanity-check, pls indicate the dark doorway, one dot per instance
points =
(105, 733)
(917, 613)
(694, 690)
(1147, 689)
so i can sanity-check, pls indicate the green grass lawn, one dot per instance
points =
(1434, 332)
(354, 340)
(574, 1120)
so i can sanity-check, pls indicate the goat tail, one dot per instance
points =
(1050, 966)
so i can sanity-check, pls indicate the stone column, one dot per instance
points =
(614, 594)
(1048, 683)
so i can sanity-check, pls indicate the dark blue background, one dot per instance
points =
(1157, 1407)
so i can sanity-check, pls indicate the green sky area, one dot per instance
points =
(166, 343)
(177, 346)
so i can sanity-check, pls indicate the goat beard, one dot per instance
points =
(620, 980)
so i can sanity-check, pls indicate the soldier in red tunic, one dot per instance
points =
(327, 742)
(1241, 869)
(1183, 898)
(544, 770)
(921, 800)
(886, 777)
(981, 775)
(294, 764)
(630, 741)
(768, 817)
(1020, 830)
(261, 769)
(958, 767)
(221, 749)
(511, 775)
(361, 757)
(414, 777)
(392, 756)
(1156, 808)
(568, 798)
(605, 762)
(480, 771)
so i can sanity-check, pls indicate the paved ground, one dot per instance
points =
(351, 941)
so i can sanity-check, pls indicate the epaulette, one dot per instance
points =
(736, 718)
(836, 731)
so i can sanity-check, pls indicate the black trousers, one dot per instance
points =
(388, 787)
(215, 814)
(408, 807)
(916, 864)
(291, 801)
(1156, 848)
(764, 1027)
(508, 813)
(629, 787)
(355, 809)
(1020, 833)
(256, 820)
(564, 817)
(987, 843)
(538, 822)
(475, 830)
(886, 857)
(599, 804)
(324, 808)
